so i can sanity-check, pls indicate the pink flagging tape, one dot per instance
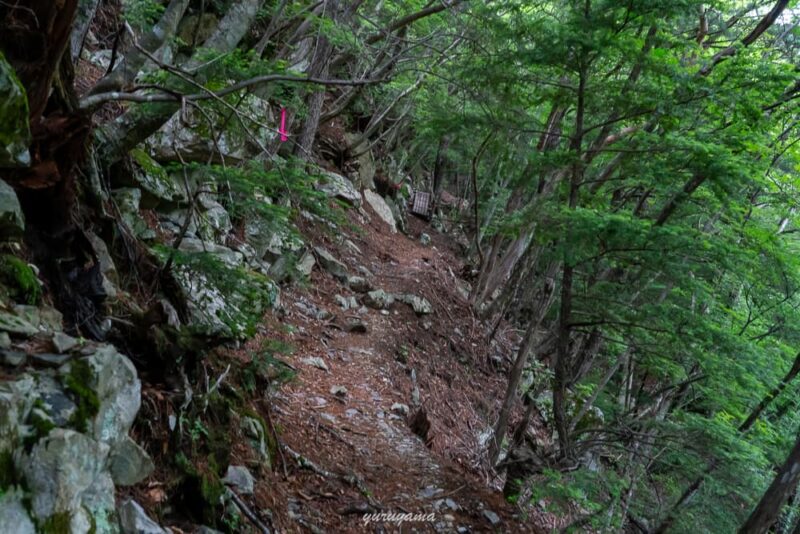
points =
(282, 129)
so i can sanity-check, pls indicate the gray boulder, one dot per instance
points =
(330, 263)
(61, 469)
(397, 213)
(305, 264)
(257, 437)
(337, 186)
(129, 463)
(12, 221)
(186, 134)
(129, 200)
(16, 401)
(359, 284)
(381, 208)
(156, 184)
(240, 479)
(119, 393)
(134, 520)
(224, 254)
(14, 517)
(15, 324)
(420, 305)
(378, 299)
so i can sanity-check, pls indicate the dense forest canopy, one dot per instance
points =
(626, 176)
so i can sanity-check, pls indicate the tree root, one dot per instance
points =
(351, 479)
(248, 513)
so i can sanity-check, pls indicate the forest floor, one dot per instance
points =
(358, 434)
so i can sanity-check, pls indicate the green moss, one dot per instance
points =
(58, 523)
(78, 382)
(20, 279)
(39, 422)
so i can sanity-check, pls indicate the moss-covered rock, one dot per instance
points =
(156, 184)
(15, 135)
(19, 278)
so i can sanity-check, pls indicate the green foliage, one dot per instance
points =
(142, 14)
(672, 204)
(19, 278)
(265, 369)
(247, 294)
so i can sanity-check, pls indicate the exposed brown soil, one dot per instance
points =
(359, 434)
(373, 460)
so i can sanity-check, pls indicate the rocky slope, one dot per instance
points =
(368, 302)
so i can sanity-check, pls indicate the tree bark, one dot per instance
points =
(766, 511)
(320, 63)
(515, 374)
(83, 19)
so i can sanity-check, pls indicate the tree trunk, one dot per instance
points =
(785, 482)
(515, 375)
(318, 68)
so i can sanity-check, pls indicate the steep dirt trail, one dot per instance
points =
(359, 433)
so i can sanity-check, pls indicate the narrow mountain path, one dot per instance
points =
(347, 411)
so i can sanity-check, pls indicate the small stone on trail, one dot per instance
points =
(491, 517)
(378, 299)
(428, 492)
(424, 239)
(317, 362)
(342, 302)
(339, 391)
(355, 325)
(359, 284)
(399, 408)
(328, 417)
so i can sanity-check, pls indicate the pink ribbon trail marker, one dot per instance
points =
(282, 129)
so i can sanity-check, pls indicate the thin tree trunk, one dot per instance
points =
(318, 68)
(743, 428)
(515, 374)
(766, 511)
